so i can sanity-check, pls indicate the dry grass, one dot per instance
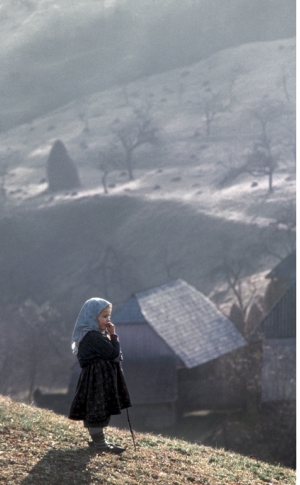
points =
(38, 447)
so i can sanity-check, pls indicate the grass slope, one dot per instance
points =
(37, 446)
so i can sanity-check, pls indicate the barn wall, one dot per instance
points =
(279, 370)
(211, 394)
(219, 384)
(139, 341)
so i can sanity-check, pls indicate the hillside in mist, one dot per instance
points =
(191, 206)
(54, 52)
(233, 91)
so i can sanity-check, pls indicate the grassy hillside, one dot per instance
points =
(176, 211)
(37, 446)
(175, 219)
(231, 85)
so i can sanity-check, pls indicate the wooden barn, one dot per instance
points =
(278, 334)
(173, 338)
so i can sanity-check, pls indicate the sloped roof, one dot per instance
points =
(130, 312)
(186, 320)
(280, 322)
(285, 269)
(279, 370)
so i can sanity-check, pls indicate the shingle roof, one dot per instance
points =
(280, 322)
(186, 320)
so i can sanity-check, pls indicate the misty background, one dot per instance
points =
(54, 53)
(177, 122)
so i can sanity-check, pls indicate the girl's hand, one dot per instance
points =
(110, 328)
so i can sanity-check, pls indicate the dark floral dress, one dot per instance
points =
(101, 390)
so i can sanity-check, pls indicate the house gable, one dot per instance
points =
(189, 323)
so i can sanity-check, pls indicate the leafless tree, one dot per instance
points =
(138, 130)
(283, 82)
(261, 162)
(266, 112)
(34, 338)
(233, 271)
(171, 261)
(212, 104)
(107, 161)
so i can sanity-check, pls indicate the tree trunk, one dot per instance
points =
(271, 181)
(129, 165)
(104, 183)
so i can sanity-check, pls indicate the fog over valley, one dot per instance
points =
(141, 143)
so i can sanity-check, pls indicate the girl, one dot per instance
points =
(101, 390)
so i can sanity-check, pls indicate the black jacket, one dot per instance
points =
(101, 389)
(97, 345)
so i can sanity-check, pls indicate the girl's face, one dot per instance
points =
(104, 318)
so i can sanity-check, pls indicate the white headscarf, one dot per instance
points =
(87, 320)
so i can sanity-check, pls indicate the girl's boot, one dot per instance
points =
(99, 442)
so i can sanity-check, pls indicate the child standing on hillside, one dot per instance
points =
(101, 389)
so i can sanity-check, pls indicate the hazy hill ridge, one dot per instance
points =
(55, 52)
(174, 220)
(233, 83)
(37, 446)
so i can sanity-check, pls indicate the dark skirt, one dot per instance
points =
(101, 391)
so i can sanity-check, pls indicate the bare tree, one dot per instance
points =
(261, 161)
(233, 271)
(45, 338)
(111, 274)
(107, 161)
(283, 82)
(171, 261)
(212, 105)
(266, 112)
(135, 132)
(34, 339)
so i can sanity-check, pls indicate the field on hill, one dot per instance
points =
(188, 205)
(37, 446)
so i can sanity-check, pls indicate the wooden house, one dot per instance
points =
(171, 337)
(277, 332)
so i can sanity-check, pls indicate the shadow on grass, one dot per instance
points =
(60, 467)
